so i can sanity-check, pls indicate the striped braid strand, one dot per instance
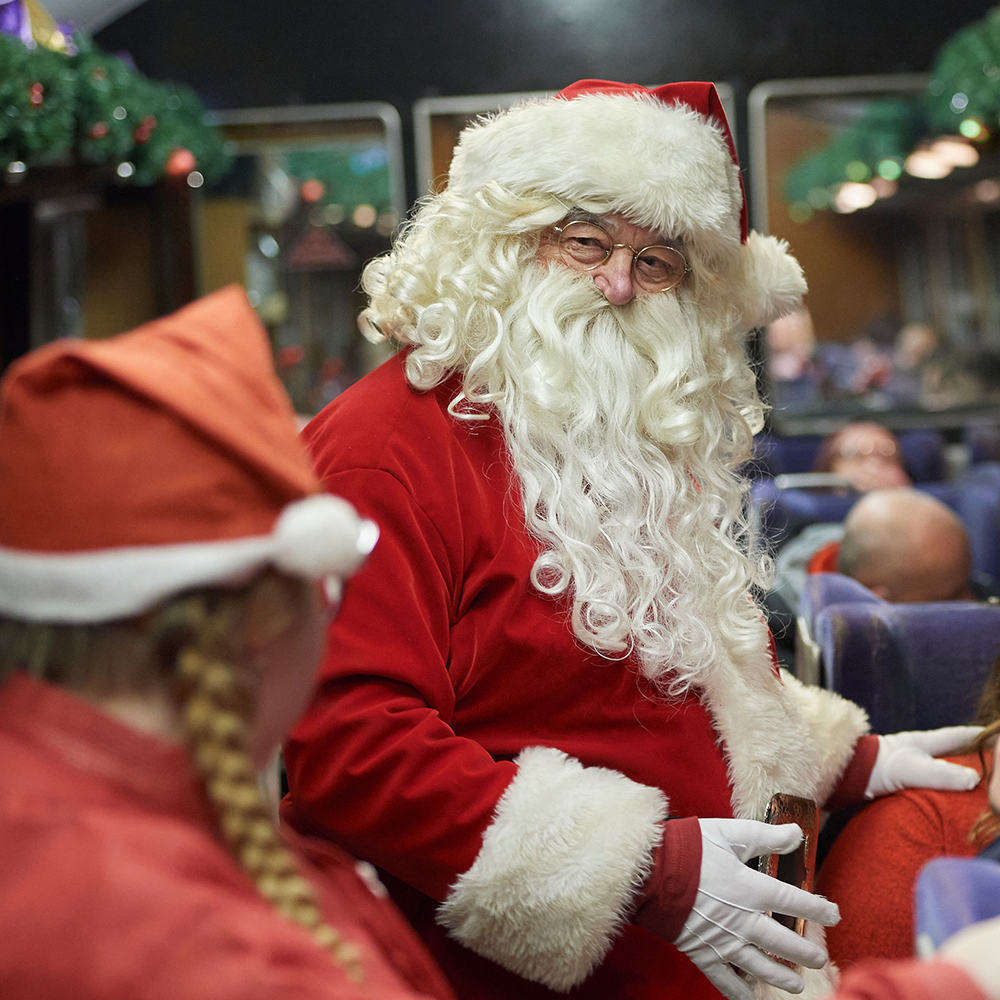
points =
(215, 706)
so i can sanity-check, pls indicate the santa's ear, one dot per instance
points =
(770, 279)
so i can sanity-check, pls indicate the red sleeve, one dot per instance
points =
(911, 980)
(870, 873)
(672, 885)
(873, 865)
(850, 790)
(374, 763)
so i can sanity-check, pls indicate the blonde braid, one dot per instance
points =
(216, 703)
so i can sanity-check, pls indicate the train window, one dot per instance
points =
(313, 193)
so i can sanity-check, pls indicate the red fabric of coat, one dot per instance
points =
(445, 664)
(115, 886)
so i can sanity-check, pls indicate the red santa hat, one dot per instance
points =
(167, 458)
(665, 158)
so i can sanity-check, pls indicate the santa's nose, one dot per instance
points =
(614, 277)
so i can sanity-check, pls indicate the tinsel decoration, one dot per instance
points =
(76, 104)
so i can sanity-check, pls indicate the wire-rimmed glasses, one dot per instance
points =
(587, 245)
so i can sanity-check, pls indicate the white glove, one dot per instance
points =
(728, 922)
(906, 760)
(975, 949)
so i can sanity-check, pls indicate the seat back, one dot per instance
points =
(820, 591)
(922, 450)
(950, 894)
(910, 666)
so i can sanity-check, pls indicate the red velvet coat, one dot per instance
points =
(445, 665)
(115, 886)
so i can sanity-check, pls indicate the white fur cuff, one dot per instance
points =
(568, 849)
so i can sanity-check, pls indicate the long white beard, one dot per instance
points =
(622, 427)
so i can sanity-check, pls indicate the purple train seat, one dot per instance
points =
(910, 666)
(950, 894)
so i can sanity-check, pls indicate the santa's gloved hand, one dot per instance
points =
(907, 760)
(727, 925)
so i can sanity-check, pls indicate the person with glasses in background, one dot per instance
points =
(550, 714)
(868, 455)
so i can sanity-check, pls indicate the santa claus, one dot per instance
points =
(551, 715)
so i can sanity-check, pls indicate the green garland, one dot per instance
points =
(962, 98)
(884, 135)
(965, 79)
(92, 107)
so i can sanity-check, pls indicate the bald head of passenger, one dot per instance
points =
(907, 547)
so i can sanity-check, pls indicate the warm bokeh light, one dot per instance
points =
(884, 188)
(364, 216)
(988, 190)
(850, 197)
(955, 151)
(924, 163)
(312, 190)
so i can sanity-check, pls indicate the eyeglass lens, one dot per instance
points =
(869, 449)
(656, 269)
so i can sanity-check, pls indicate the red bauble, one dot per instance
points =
(98, 130)
(312, 190)
(36, 94)
(180, 163)
(144, 129)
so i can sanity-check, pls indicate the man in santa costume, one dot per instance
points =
(551, 714)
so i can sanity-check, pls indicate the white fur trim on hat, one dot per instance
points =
(316, 537)
(568, 849)
(663, 165)
(322, 536)
(771, 280)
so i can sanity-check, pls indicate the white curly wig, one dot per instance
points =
(625, 424)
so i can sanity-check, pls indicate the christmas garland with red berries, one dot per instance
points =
(83, 105)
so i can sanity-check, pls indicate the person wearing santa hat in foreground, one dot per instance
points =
(162, 545)
(549, 711)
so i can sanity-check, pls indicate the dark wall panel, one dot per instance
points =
(245, 54)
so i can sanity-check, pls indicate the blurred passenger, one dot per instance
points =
(866, 454)
(873, 865)
(162, 539)
(906, 546)
(791, 346)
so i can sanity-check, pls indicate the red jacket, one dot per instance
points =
(872, 868)
(115, 886)
(445, 664)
